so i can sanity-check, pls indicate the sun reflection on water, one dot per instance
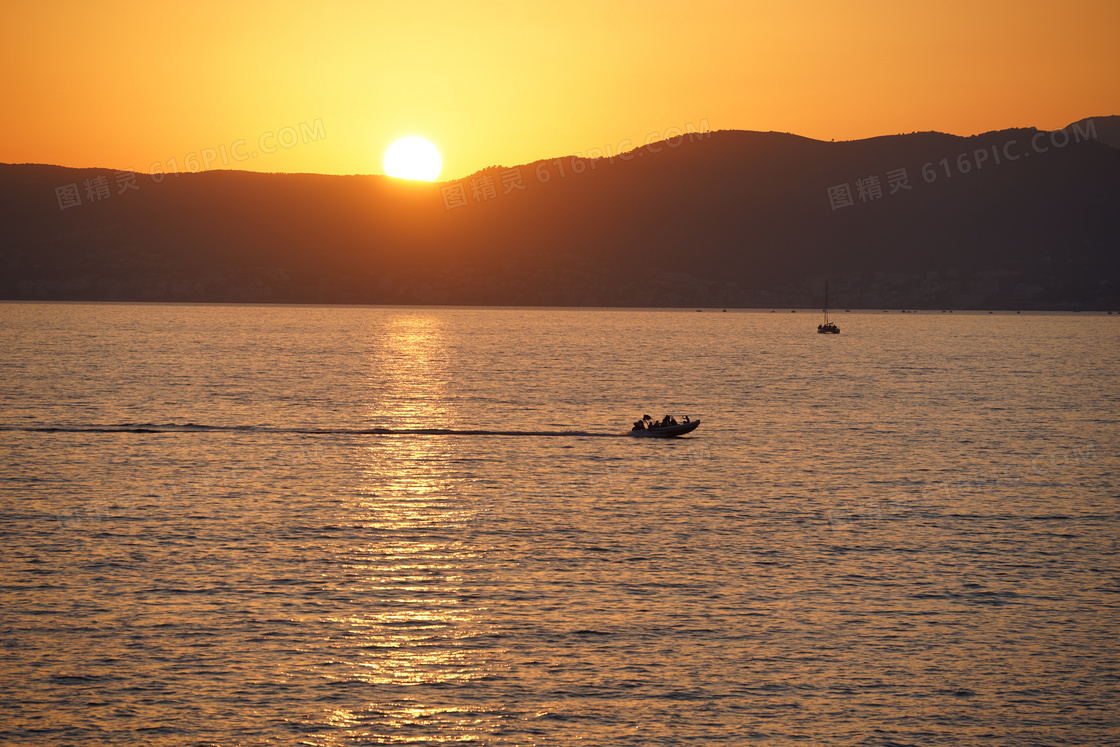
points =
(415, 559)
(409, 373)
(453, 724)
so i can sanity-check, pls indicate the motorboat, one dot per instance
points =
(654, 429)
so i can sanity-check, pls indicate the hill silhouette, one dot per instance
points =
(1018, 218)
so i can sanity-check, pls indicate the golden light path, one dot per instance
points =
(417, 557)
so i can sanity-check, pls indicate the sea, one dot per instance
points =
(277, 525)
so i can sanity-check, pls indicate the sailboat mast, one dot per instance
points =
(826, 302)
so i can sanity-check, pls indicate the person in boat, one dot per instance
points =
(639, 425)
(686, 417)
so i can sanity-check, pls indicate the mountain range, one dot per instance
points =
(1015, 219)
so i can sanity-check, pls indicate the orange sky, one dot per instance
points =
(136, 84)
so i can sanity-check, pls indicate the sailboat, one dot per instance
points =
(828, 328)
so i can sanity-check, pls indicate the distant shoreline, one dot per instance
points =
(523, 307)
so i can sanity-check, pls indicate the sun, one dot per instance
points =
(413, 158)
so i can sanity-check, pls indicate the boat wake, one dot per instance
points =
(199, 428)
